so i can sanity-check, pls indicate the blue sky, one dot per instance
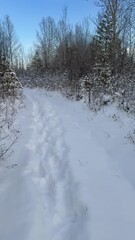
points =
(27, 14)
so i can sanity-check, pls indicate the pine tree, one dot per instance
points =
(109, 46)
(103, 68)
(113, 31)
(36, 64)
(105, 38)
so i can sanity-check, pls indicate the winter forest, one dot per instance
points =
(67, 127)
(69, 58)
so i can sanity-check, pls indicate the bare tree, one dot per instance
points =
(64, 35)
(11, 40)
(47, 40)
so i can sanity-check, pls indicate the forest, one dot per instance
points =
(79, 60)
(67, 124)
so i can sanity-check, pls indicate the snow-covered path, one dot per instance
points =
(64, 180)
(39, 197)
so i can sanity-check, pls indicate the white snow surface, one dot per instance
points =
(72, 176)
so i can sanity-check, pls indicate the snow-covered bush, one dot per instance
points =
(8, 132)
(10, 100)
(9, 83)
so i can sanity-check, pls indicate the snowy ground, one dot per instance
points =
(72, 175)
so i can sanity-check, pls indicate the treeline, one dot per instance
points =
(75, 49)
(11, 51)
(62, 47)
(76, 57)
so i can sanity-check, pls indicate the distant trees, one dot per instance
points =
(103, 57)
(64, 48)
(74, 49)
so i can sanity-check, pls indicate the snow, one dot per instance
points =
(72, 173)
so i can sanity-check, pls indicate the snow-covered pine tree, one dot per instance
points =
(9, 83)
(104, 38)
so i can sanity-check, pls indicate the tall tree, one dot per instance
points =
(47, 40)
(64, 35)
(11, 40)
(114, 24)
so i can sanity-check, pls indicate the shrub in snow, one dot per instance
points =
(10, 99)
(106, 99)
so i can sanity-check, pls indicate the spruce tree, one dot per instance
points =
(103, 68)
(36, 65)
(9, 83)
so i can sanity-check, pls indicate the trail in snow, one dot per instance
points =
(71, 176)
(103, 165)
(41, 196)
